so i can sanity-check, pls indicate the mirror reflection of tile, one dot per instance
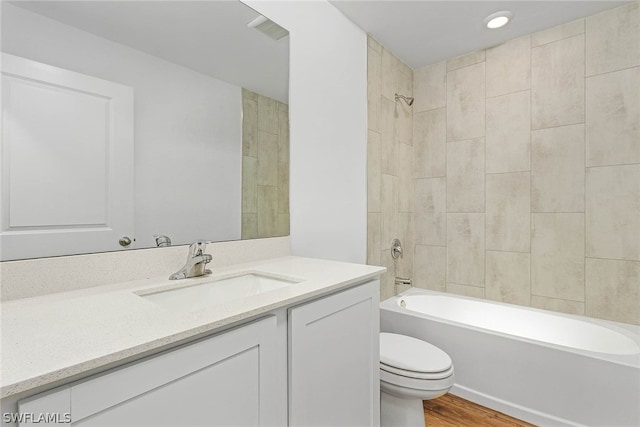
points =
(265, 166)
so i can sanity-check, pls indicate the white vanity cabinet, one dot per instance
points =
(224, 380)
(311, 364)
(334, 359)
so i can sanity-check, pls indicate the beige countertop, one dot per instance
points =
(49, 338)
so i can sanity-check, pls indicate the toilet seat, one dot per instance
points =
(417, 375)
(412, 357)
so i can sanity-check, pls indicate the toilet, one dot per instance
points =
(411, 370)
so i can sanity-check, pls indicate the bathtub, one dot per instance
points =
(543, 367)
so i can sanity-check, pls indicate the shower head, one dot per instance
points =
(407, 99)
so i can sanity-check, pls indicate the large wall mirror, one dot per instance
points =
(129, 124)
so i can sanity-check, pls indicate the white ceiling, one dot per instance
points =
(210, 37)
(423, 32)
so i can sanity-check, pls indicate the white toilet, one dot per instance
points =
(411, 370)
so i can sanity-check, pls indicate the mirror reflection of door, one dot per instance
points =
(67, 161)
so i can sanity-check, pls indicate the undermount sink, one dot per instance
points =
(218, 291)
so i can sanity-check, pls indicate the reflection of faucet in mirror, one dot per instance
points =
(196, 261)
(162, 240)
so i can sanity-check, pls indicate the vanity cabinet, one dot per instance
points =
(334, 360)
(326, 350)
(224, 380)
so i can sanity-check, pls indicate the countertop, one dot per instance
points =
(49, 338)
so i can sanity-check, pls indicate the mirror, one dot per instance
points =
(197, 89)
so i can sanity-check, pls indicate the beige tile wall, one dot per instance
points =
(265, 166)
(390, 171)
(526, 169)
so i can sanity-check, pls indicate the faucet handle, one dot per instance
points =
(198, 247)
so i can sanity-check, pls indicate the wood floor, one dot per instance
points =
(453, 411)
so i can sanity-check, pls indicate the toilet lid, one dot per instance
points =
(412, 354)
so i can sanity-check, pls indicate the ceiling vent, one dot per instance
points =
(268, 27)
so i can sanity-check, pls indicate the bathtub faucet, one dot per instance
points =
(403, 281)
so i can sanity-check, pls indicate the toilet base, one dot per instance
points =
(400, 412)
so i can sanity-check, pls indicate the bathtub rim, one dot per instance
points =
(628, 330)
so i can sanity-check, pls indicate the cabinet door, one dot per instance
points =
(334, 360)
(66, 174)
(225, 380)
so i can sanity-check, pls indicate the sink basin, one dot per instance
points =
(218, 291)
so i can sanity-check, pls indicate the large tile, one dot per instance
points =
(283, 188)
(249, 226)
(405, 178)
(508, 226)
(283, 133)
(430, 143)
(465, 60)
(430, 211)
(283, 224)
(613, 118)
(430, 267)
(387, 280)
(557, 304)
(465, 249)
(249, 125)
(374, 44)
(465, 102)
(465, 176)
(465, 290)
(613, 290)
(508, 277)
(557, 255)
(267, 158)
(557, 83)
(374, 174)
(390, 74)
(267, 114)
(429, 87)
(558, 32)
(249, 184)
(613, 212)
(267, 211)
(557, 169)
(404, 112)
(612, 39)
(374, 89)
(390, 226)
(509, 67)
(508, 132)
(406, 236)
(389, 160)
(374, 236)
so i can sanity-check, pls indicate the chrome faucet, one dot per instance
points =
(196, 262)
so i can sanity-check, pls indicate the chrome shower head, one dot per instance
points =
(407, 99)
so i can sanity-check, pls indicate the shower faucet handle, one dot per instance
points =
(396, 249)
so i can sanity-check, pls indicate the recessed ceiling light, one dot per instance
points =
(498, 19)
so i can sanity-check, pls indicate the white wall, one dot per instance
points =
(187, 128)
(328, 114)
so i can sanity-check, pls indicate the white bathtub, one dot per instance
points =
(543, 367)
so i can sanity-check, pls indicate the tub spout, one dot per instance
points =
(403, 281)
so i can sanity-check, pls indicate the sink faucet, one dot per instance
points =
(196, 262)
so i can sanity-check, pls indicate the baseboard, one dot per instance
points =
(517, 411)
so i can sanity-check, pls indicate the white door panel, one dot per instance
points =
(67, 161)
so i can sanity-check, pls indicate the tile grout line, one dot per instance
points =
(584, 201)
(530, 171)
(484, 292)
